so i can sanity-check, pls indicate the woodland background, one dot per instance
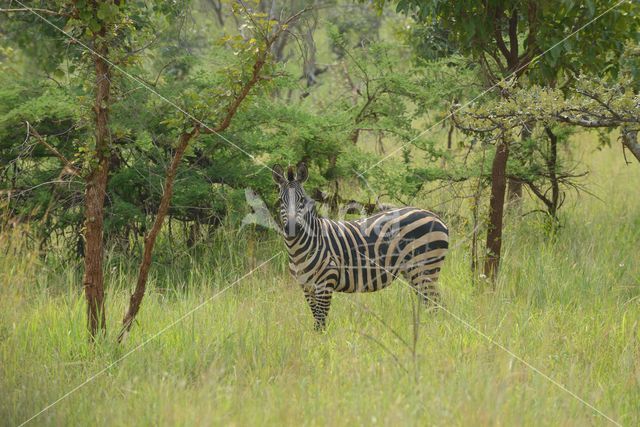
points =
(135, 145)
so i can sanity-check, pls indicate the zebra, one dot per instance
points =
(363, 255)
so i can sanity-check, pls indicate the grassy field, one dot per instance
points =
(568, 305)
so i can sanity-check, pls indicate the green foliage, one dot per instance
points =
(385, 80)
(470, 25)
(352, 27)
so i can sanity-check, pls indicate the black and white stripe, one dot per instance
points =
(364, 255)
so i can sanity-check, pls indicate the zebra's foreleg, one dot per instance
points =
(310, 296)
(322, 304)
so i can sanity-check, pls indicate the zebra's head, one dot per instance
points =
(295, 205)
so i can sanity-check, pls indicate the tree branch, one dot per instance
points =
(33, 9)
(530, 43)
(67, 164)
(497, 33)
(513, 38)
(255, 76)
(150, 238)
(630, 141)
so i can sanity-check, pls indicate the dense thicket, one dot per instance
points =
(363, 99)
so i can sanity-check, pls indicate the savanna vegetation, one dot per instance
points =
(143, 278)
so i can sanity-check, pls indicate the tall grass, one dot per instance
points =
(569, 304)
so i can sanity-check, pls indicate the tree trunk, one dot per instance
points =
(309, 61)
(96, 186)
(514, 198)
(334, 198)
(630, 141)
(552, 164)
(452, 127)
(450, 136)
(475, 210)
(150, 239)
(496, 208)
(194, 233)
(217, 8)
(514, 195)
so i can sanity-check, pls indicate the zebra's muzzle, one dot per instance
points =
(291, 223)
(291, 227)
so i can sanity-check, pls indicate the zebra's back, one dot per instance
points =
(369, 253)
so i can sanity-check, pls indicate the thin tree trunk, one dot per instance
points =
(496, 209)
(380, 143)
(150, 238)
(217, 8)
(552, 164)
(476, 220)
(309, 64)
(474, 236)
(452, 127)
(96, 186)
(630, 140)
(517, 64)
(514, 195)
(514, 198)
(194, 232)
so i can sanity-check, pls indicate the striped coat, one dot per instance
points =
(364, 255)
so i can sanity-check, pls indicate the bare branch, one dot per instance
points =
(69, 167)
(32, 9)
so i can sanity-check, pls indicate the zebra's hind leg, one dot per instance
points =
(322, 305)
(425, 284)
(310, 296)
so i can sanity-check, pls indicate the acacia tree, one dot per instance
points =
(103, 30)
(507, 38)
(93, 17)
(594, 103)
(254, 68)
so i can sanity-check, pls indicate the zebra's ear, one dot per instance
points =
(278, 174)
(303, 172)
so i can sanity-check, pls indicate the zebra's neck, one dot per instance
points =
(308, 241)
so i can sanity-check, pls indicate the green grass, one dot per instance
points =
(569, 305)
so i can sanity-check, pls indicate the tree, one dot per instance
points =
(507, 37)
(100, 27)
(594, 103)
(256, 53)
